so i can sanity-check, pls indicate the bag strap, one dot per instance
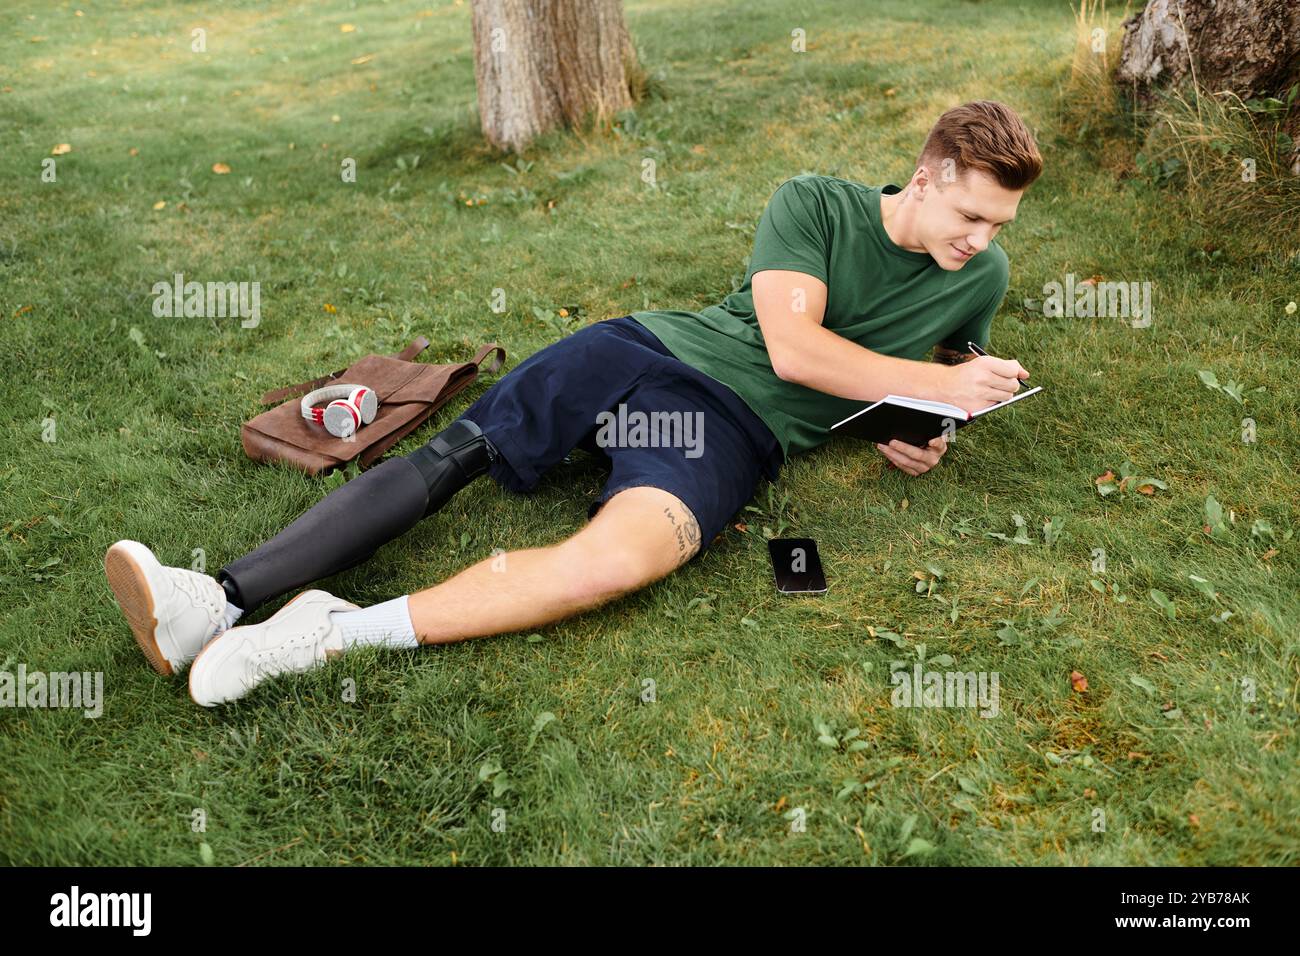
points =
(482, 353)
(418, 345)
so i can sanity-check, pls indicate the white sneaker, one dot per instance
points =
(173, 612)
(295, 639)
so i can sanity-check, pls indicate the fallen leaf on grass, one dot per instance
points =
(1163, 601)
(220, 169)
(1139, 681)
(1078, 682)
(61, 149)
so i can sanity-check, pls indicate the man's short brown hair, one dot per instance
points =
(987, 136)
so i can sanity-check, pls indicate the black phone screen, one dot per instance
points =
(797, 566)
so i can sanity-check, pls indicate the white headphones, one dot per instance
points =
(350, 407)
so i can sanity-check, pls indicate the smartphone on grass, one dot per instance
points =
(796, 566)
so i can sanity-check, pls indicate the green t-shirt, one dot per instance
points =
(879, 295)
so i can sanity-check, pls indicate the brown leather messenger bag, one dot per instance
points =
(409, 393)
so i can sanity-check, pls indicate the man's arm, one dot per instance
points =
(802, 350)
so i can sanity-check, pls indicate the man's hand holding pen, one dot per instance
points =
(983, 380)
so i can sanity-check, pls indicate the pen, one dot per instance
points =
(979, 351)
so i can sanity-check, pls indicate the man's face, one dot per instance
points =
(962, 216)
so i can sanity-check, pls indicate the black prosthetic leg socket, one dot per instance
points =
(343, 529)
(451, 460)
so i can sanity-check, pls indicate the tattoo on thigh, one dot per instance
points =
(686, 530)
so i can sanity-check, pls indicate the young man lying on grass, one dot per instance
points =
(849, 288)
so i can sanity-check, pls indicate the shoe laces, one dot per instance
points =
(190, 584)
(293, 655)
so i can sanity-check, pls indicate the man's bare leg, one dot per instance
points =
(638, 536)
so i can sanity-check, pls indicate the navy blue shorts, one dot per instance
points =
(552, 402)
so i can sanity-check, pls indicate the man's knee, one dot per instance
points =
(641, 535)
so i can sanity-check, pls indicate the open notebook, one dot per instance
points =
(912, 420)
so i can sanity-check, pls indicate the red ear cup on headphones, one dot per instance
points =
(366, 402)
(341, 418)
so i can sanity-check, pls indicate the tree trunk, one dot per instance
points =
(545, 63)
(1251, 47)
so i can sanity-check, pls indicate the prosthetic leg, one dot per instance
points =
(352, 522)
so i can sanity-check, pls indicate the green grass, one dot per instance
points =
(147, 447)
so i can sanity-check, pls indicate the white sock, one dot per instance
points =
(233, 614)
(381, 625)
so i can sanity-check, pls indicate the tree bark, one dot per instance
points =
(1251, 47)
(539, 64)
